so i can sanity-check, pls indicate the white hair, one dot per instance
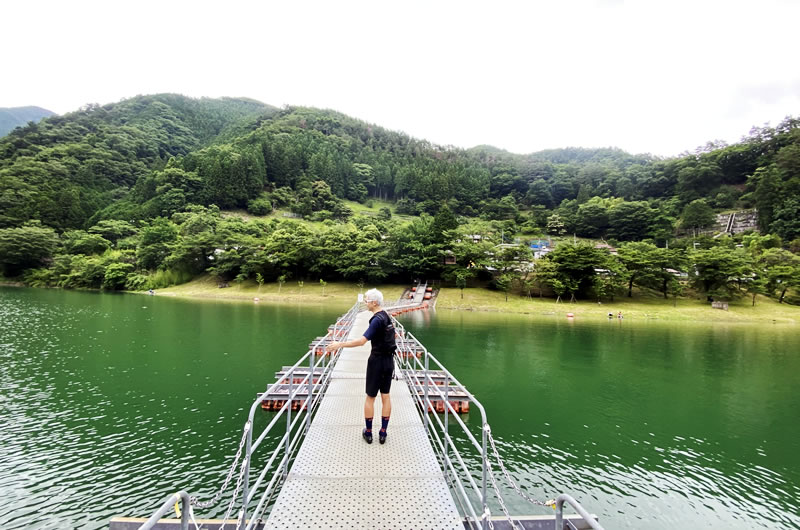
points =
(374, 295)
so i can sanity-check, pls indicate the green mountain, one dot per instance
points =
(132, 195)
(13, 117)
(152, 156)
(62, 170)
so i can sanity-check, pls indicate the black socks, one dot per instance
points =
(384, 424)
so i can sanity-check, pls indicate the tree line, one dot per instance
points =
(150, 162)
(116, 255)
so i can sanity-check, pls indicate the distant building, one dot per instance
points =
(681, 276)
(540, 247)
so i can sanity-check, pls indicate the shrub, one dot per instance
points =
(259, 206)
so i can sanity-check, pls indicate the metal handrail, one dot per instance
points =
(286, 445)
(578, 508)
(417, 372)
(173, 499)
(411, 366)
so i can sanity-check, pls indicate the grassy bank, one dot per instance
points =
(477, 299)
(643, 307)
(340, 293)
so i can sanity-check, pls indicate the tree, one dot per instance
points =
(555, 225)
(545, 273)
(781, 270)
(323, 283)
(503, 282)
(758, 285)
(767, 194)
(156, 243)
(591, 220)
(384, 214)
(697, 214)
(786, 221)
(630, 221)
(718, 268)
(26, 247)
(638, 261)
(259, 280)
(281, 280)
(259, 206)
(442, 222)
(461, 280)
(116, 275)
(576, 265)
(80, 242)
(113, 230)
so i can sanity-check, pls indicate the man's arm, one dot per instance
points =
(349, 344)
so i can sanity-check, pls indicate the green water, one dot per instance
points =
(110, 402)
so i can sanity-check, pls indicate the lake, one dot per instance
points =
(109, 402)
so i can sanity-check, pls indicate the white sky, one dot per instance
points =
(646, 76)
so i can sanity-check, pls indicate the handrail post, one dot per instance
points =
(446, 413)
(311, 386)
(485, 461)
(560, 500)
(426, 392)
(288, 422)
(181, 497)
(246, 464)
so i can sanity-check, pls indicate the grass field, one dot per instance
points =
(343, 294)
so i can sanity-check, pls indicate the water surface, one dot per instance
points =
(108, 403)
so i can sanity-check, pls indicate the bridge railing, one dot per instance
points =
(308, 393)
(296, 428)
(471, 495)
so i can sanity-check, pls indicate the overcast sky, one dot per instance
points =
(646, 76)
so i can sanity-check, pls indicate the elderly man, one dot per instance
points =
(380, 366)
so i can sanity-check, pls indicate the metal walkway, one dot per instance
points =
(339, 481)
(321, 474)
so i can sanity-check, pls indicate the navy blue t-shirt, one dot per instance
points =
(380, 333)
(375, 327)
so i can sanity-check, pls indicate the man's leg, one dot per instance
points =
(369, 407)
(386, 404)
(369, 413)
(386, 400)
(386, 411)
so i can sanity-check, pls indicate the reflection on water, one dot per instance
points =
(108, 403)
(672, 425)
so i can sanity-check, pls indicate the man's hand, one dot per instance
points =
(333, 346)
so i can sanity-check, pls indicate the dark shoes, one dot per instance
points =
(368, 436)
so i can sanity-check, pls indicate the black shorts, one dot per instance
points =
(380, 369)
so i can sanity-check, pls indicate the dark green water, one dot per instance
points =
(110, 402)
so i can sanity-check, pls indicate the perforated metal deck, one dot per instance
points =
(339, 481)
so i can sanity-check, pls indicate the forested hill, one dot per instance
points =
(65, 169)
(151, 156)
(17, 116)
(130, 194)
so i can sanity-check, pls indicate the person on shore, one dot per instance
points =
(380, 366)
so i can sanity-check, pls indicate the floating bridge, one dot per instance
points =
(321, 474)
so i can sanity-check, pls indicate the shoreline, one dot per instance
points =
(766, 310)
(481, 300)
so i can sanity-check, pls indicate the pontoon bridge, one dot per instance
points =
(321, 474)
